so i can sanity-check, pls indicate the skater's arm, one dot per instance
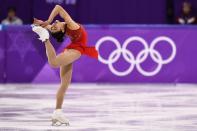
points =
(58, 10)
(40, 22)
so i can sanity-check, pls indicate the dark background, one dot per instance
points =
(101, 11)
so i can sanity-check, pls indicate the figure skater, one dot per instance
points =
(70, 54)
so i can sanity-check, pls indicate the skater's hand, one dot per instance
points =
(45, 23)
(37, 21)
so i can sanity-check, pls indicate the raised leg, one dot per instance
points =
(62, 59)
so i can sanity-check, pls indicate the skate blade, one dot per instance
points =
(58, 123)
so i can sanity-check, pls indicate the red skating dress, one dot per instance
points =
(79, 42)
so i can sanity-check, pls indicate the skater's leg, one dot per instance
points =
(50, 51)
(65, 74)
(58, 117)
(63, 59)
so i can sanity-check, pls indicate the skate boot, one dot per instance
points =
(41, 32)
(59, 119)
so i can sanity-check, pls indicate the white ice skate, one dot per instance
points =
(42, 32)
(58, 118)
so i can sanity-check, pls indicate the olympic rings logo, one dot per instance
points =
(141, 56)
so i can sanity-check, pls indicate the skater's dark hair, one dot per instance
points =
(59, 36)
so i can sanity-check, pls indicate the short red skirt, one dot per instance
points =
(85, 50)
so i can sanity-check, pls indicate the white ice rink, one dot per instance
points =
(92, 107)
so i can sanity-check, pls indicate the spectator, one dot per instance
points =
(12, 19)
(186, 16)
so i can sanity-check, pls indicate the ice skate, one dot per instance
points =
(41, 32)
(58, 118)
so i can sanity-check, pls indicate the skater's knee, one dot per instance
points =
(54, 64)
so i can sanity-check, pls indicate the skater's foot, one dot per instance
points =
(58, 118)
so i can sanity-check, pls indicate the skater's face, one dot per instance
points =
(56, 26)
